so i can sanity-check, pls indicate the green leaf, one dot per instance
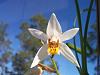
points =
(70, 45)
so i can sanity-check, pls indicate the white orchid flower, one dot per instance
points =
(54, 42)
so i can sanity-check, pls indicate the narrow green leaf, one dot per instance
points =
(88, 19)
(70, 45)
(85, 35)
(80, 33)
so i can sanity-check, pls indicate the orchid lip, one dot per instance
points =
(53, 47)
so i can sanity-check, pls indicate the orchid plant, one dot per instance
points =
(54, 42)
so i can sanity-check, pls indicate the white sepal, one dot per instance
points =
(53, 24)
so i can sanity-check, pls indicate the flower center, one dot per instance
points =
(53, 47)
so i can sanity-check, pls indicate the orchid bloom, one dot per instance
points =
(54, 39)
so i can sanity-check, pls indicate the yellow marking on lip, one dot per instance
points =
(53, 47)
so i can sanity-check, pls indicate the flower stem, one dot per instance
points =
(55, 66)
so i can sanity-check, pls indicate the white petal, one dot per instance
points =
(53, 24)
(38, 34)
(41, 55)
(69, 34)
(67, 53)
